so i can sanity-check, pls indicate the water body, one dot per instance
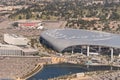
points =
(55, 70)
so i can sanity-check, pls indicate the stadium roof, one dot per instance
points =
(63, 38)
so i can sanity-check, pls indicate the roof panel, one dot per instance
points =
(63, 38)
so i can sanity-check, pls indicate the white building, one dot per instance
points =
(15, 39)
(29, 24)
(98, 2)
(11, 50)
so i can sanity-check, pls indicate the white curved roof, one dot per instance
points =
(63, 38)
(15, 39)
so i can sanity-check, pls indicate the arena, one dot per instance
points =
(83, 41)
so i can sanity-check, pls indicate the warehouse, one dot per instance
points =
(11, 50)
(8, 50)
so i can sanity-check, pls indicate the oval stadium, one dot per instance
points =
(74, 40)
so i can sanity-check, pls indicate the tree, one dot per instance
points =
(37, 16)
(27, 16)
(115, 16)
(20, 17)
(15, 24)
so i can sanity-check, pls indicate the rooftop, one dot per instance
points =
(14, 36)
(71, 37)
(6, 46)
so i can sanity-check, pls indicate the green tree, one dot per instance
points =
(27, 16)
(115, 16)
(15, 24)
(20, 17)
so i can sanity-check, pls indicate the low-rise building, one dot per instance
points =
(29, 24)
(90, 19)
(15, 39)
(16, 46)
(11, 50)
(98, 2)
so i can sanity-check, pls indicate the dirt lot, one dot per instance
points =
(6, 27)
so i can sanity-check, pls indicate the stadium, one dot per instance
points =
(74, 40)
